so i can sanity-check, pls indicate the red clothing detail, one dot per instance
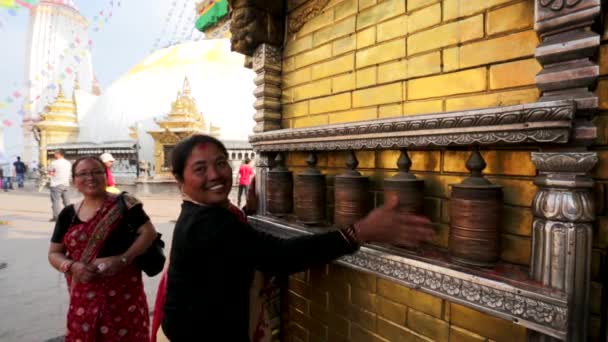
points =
(245, 174)
(106, 309)
(109, 178)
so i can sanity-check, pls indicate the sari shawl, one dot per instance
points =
(107, 308)
(260, 329)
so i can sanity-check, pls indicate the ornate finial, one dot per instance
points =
(311, 161)
(279, 162)
(60, 91)
(404, 163)
(351, 164)
(186, 86)
(475, 164)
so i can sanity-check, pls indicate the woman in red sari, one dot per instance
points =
(93, 245)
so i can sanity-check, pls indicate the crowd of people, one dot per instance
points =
(216, 260)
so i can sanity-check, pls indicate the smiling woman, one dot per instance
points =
(215, 252)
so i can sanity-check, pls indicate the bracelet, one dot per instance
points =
(350, 234)
(66, 265)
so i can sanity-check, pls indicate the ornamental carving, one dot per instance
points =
(303, 14)
(577, 162)
(541, 311)
(558, 5)
(564, 205)
(256, 22)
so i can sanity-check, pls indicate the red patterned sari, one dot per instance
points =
(108, 308)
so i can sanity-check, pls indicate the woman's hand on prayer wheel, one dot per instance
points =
(388, 224)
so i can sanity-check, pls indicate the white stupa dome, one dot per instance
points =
(220, 84)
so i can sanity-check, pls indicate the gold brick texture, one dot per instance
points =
(499, 49)
(364, 318)
(366, 77)
(497, 329)
(515, 249)
(355, 278)
(422, 107)
(313, 56)
(428, 326)
(366, 37)
(498, 99)
(392, 71)
(514, 74)
(421, 160)
(353, 115)
(309, 90)
(517, 16)
(392, 28)
(296, 46)
(423, 65)
(378, 95)
(603, 59)
(517, 221)
(442, 236)
(363, 4)
(601, 170)
(461, 335)
(333, 67)
(345, 9)
(602, 93)
(297, 77)
(461, 82)
(394, 332)
(432, 208)
(518, 192)
(297, 333)
(424, 18)
(330, 103)
(338, 325)
(384, 10)
(460, 8)
(445, 35)
(414, 4)
(313, 326)
(363, 299)
(414, 299)
(389, 111)
(336, 30)
(514, 163)
(358, 334)
(295, 110)
(321, 20)
(298, 302)
(343, 83)
(381, 53)
(344, 45)
(390, 310)
(438, 185)
(367, 160)
(310, 121)
(601, 123)
(600, 239)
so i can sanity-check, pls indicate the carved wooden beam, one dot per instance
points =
(528, 304)
(568, 43)
(547, 122)
(256, 22)
(267, 66)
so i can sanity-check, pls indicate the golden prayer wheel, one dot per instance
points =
(406, 187)
(279, 198)
(310, 194)
(475, 216)
(351, 195)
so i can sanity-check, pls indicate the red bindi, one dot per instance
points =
(201, 146)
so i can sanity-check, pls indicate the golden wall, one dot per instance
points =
(368, 59)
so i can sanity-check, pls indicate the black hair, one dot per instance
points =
(183, 149)
(247, 160)
(18, 158)
(77, 161)
(60, 152)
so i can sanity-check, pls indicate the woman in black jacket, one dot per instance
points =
(214, 254)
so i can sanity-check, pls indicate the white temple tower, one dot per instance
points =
(59, 51)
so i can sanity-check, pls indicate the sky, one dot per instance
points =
(125, 39)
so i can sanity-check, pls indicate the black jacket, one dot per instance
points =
(213, 258)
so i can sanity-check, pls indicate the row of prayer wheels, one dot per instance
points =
(475, 204)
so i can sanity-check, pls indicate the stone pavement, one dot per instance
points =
(33, 295)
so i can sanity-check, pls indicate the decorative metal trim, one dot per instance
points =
(534, 308)
(546, 122)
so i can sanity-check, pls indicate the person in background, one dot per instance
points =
(60, 172)
(108, 160)
(8, 172)
(20, 170)
(246, 173)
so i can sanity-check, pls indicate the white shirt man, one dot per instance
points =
(60, 172)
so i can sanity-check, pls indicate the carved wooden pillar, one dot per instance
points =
(267, 66)
(562, 232)
(564, 52)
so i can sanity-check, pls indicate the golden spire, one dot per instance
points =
(186, 86)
